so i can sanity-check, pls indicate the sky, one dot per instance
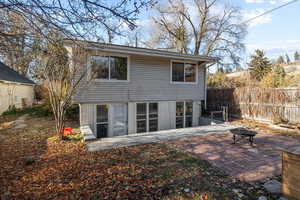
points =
(276, 33)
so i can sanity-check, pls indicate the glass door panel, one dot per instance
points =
(119, 119)
(188, 114)
(102, 121)
(141, 117)
(179, 114)
(153, 117)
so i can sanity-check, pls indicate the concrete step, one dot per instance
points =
(87, 133)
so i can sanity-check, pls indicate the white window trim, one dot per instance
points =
(108, 80)
(147, 115)
(184, 62)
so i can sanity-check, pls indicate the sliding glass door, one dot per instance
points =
(184, 114)
(146, 117)
(111, 120)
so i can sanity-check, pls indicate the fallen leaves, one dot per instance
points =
(58, 169)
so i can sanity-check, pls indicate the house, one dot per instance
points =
(15, 89)
(136, 90)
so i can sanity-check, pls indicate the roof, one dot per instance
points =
(113, 48)
(8, 74)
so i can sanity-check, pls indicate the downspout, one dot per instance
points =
(205, 83)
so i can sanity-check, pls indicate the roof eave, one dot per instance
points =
(155, 54)
(144, 51)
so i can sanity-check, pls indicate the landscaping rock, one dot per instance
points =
(262, 198)
(238, 193)
(186, 190)
(236, 190)
(273, 186)
(282, 198)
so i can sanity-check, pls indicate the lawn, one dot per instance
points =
(35, 164)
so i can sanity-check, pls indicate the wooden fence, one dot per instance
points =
(276, 105)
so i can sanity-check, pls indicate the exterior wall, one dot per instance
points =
(166, 116)
(131, 118)
(149, 80)
(12, 94)
(87, 115)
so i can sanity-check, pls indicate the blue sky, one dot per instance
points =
(277, 33)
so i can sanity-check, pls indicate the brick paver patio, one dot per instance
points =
(241, 160)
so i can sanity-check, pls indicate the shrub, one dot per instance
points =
(76, 137)
(12, 110)
(35, 111)
(73, 112)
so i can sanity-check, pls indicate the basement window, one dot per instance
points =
(109, 68)
(183, 72)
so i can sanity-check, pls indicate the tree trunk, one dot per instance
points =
(60, 121)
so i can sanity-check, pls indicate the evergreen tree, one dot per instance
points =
(259, 65)
(280, 60)
(288, 60)
(296, 56)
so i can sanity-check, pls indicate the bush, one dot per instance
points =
(12, 110)
(220, 80)
(73, 112)
(76, 137)
(35, 111)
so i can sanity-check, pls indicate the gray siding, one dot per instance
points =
(87, 115)
(131, 118)
(166, 115)
(196, 112)
(149, 80)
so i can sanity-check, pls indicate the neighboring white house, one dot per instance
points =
(135, 90)
(15, 89)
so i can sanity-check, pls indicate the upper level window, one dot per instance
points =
(183, 72)
(109, 67)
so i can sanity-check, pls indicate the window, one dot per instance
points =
(184, 114)
(109, 67)
(177, 72)
(190, 72)
(183, 72)
(179, 114)
(146, 117)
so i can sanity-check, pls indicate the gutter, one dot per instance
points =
(18, 83)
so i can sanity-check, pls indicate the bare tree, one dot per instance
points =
(14, 42)
(77, 18)
(204, 27)
(24, 21)
(61, 73)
